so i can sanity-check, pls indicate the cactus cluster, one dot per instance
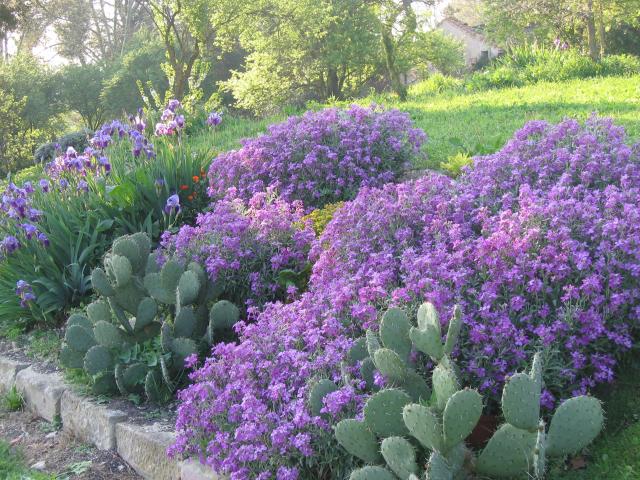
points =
(409, 432)
(144, 307)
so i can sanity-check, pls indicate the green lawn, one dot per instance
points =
(481, 122)
(615, 454)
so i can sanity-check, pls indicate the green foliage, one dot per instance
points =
(455, 163)
(80, 88)
(18, 140)
(47, 151)
(136, 338)
(441, 422)
(320, 217)
(12, 400)
(438, 50)
(12, 465)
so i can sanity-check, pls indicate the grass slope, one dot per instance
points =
(481, 122)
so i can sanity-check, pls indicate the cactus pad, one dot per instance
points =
(318, 391)
(99, 311)
(508, 453)
(153, 284)
(80, 320)
(104, 384)
(181, 349)
(416, 386)
(460, 416)
(400, 457)
(521, 402)
(98, 360)
(358, 350)
(154, 387)
(424, 424)
(394, 332)
(134, 375)
(367, 370)
(574, 425)
(128, 248)
(71, 358)
(358, 440)
(184, 323)
(383, 412)
(438, 468)
(539, 453)
(170, 274)
(372, 473)
(121, 269)
(390, 365)
(79, 338)
(223, 315)
(455, 324)
(427, 341)
(373, 343)
(428, 316)
(146, 313)
(100, 283)
(107, 334)
(445, 384)
(188, 288)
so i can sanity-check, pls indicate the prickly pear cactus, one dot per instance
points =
(406, 422)
(147, 320)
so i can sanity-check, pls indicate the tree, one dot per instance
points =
(303, 50)
(17, 140)
(80, 91)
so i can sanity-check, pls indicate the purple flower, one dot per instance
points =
(44, 184)
(9, 244)
(83, 186)
(172, 205)
(30, 230)
(173, 105)
(43, 239)
(214, 119)
(25, 292)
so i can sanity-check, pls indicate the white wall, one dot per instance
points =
(473, 43)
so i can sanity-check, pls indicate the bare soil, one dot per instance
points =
(39, 441)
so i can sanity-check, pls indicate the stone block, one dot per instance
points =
(8, 370)
(89, 422)
(41, 392)
(145, 449)
(193, 470)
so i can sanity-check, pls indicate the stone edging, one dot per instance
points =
(142, 447)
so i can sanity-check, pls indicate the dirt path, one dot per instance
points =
(62, 455)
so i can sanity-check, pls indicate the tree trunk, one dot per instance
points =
(392, 68)
(333, 84)
(594, 52)
(179, 84)
(601, 31)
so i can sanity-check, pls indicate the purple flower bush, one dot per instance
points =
(319, 157)
(539, 243)
(244, 245)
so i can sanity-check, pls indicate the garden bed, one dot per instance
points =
(119, 434)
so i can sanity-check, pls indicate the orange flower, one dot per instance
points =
(190, 198)
(196, 179)
(202, 172)
(194, 193)
(184, 187)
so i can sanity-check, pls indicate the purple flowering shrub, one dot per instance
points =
(243, 247)
(539, 243)
(320, 157)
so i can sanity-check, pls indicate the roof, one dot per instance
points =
(473, 31)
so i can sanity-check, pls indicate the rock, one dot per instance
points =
(41, 392)
(193, 470)
(90, 422)
(51, 435)
(8, 370)
(145, 449)
(39, 465)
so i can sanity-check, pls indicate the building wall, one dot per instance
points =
(474, 45)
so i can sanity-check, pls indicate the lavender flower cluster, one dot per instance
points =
(319, 157)
(243, 246)
(540, 243)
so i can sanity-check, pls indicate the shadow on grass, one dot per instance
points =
(615, 454)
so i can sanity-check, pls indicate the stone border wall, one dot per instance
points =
(141, 446)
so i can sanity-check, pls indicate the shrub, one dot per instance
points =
(244, 247)
(321, 217)
(47, 152)
(54, 230)
(530, 64)
(17, 139)
(319, 157)
(537, 242)
(148, 321)
(402, 404)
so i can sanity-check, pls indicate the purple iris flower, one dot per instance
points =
(173, 204)
(214, 119)
(43, 239)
